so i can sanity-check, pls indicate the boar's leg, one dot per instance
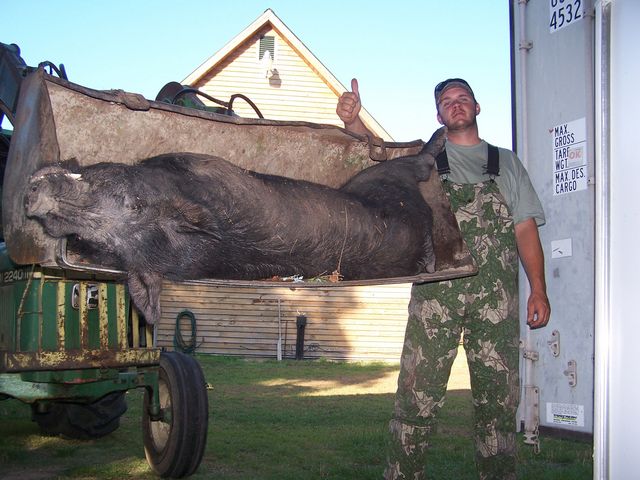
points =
(145, 289)
(435, 145)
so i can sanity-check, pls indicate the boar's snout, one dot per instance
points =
(32, 199)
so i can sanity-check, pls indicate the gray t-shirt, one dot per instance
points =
(468, 165)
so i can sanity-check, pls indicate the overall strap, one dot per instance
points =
(493, 162)
(442, 162)
(492, 168)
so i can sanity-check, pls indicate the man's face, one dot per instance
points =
(457, 108)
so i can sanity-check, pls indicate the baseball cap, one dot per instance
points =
(448, 83)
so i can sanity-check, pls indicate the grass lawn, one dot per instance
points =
(277, 420)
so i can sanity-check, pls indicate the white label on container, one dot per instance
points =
(569, 146)
(565, 414)
(561, 248)
(563, 13)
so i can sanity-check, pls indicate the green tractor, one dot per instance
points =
(72, 344)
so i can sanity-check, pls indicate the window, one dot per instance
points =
(267, 42)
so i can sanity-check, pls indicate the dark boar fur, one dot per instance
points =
(188, 216)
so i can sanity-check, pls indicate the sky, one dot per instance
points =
(397, 50)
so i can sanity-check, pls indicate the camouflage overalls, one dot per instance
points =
(485, 308)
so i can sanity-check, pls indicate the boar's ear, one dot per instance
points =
(71, 164)
(49, 170)
(145, 289)
(194, 218)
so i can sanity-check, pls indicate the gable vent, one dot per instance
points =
(267, 42)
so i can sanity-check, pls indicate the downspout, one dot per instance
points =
(531, 397)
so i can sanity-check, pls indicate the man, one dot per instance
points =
(498, 213)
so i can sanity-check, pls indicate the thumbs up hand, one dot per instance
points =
(349, 105)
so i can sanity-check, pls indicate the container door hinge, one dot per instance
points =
(554, 343)
(572, 373)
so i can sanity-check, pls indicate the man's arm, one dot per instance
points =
(348, 110)
(532, 258)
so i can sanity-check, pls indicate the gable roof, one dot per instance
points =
(269, 18)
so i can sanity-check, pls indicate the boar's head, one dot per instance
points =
(98, 206)
(124, 217)
(54, 197)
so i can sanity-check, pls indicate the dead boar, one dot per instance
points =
(186, 216)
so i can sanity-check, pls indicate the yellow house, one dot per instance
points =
(271, 66)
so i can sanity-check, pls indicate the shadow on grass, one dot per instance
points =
(281, 420)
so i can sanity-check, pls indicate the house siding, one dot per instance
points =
(343, 323)
(297, 92)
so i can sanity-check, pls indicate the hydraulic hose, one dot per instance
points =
(179, 342)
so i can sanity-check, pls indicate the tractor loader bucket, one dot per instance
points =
(57, 120)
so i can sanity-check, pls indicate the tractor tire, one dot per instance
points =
(82, 421)
(174, 445)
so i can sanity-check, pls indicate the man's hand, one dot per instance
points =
(538, 310)
(349, 104)
(348, 109)
(532, 257)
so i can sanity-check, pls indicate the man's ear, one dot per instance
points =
(477, 108)
(439, 119)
